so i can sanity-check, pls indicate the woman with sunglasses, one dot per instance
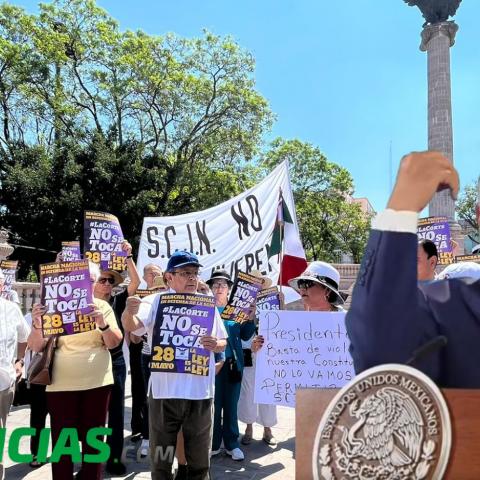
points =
(81, 380)
(227, 390)
(103, 289)
(318, 286)
(250, 412)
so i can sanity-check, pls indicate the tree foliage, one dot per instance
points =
(329, 223)
(465, 207)
(93, 117)
(136, 124)
(186, 100)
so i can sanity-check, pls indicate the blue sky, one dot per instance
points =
(345, 75)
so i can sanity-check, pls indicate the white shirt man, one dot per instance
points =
(178, 400)
(177, 385)
(8, 292)
(13, 337)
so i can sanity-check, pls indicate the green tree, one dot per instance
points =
(197, 101)
(353, 228)
(93, 117)
(17, 65)
(328, 223)
(135, 124)
(44, 195)
(465, 208)
(70, 72)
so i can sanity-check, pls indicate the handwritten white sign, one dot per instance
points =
(301, 350)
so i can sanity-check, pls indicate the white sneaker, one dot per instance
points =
(215, 452)
(236, 454)
(144, 447)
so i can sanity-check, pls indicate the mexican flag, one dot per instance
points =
(292, 257)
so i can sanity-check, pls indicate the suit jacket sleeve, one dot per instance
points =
(389, 318)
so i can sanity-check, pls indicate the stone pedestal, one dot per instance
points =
(436, 41)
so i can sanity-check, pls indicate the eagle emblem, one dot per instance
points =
(387, 426)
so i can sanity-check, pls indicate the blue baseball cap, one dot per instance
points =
(182, 259)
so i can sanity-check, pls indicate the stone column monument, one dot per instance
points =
(436, 41)
(438, 35)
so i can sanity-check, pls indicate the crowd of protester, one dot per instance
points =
(197, 415)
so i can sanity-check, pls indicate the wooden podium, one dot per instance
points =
(464, 407)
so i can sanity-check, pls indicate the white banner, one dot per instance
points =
(233, 235)
(301, 350)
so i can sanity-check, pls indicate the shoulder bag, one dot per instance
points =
(40, 369)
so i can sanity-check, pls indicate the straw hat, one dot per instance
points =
(266, 282)
(117, 277)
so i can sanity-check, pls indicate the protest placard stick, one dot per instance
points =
(282, 227)
(281, 223)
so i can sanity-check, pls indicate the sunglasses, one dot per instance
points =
(306, 284)
(186, 275)
(104, 280)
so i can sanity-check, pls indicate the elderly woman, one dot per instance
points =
(318, 286)
(103, 289)
(81, 379)
(250, 412)
(227, 393)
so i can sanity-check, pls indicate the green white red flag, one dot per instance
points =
(287, 245)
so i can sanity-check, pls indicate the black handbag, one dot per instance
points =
(234, 372)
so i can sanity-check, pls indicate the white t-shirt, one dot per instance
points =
(177, 385)
(13, 329)
(11, 295)
(143, 312)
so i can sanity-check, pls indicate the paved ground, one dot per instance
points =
(261, 461)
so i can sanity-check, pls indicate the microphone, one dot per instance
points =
(427, 349)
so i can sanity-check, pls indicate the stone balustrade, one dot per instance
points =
(348, 274)
(28, 294)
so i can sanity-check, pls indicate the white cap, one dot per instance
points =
(461, 270)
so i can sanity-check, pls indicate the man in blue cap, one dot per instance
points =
(177, 400)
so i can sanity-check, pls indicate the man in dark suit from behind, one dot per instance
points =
(390, 316)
